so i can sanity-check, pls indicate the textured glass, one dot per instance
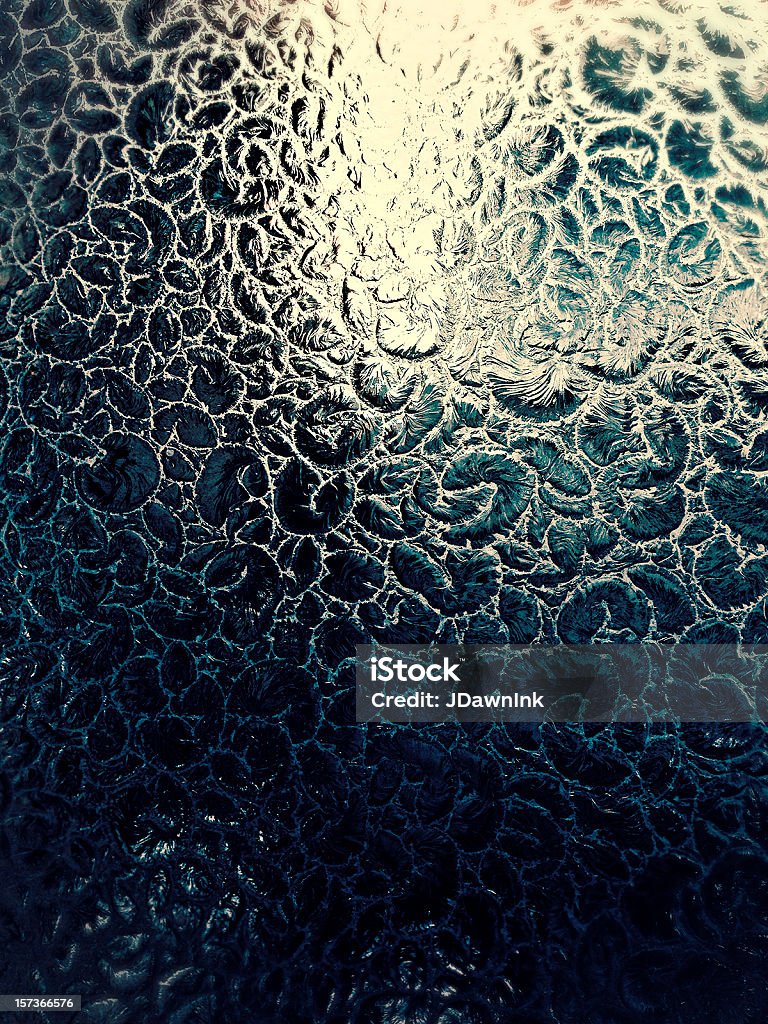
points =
(331, 324)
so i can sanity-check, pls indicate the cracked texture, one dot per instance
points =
(323, 324)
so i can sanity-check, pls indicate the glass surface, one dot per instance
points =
(346, 323)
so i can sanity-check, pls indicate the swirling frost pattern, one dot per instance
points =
(324, 324)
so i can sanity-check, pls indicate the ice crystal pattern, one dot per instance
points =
(323, 324)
